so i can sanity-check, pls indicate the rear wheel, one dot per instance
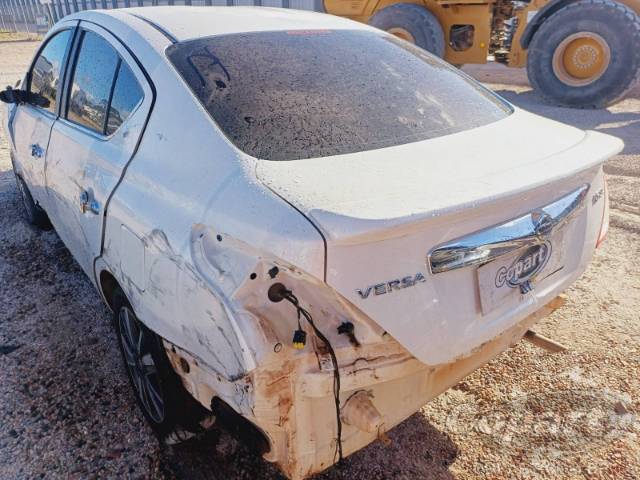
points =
(412, 23)
(586, 55)
(172, 413)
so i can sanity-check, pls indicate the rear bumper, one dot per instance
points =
(293, 404)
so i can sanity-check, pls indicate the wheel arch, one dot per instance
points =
(552, 7)
(108, 286)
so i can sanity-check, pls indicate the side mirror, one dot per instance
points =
(9, 95)
(17, 96)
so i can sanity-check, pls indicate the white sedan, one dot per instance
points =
(306, 228)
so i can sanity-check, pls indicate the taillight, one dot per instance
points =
(604, 225)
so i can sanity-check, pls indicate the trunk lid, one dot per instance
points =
(382, 212)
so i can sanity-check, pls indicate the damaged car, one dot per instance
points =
(306, 228)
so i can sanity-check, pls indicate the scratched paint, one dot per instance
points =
(214, 228)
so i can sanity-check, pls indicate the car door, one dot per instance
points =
(106, 103)
(31, 123)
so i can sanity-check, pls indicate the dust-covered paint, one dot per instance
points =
(196, 233)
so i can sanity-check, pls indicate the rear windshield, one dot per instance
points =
(291, 95)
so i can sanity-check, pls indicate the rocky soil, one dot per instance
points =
(66, 409)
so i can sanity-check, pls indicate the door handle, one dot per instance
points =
(36, 150)
(88, 203)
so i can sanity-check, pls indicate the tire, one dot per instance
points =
(33, 213)
(174, 416)
(614, 65)
(416, 21)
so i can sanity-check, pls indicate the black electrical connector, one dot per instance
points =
(348, 329)
(299, 339)
(277, 292)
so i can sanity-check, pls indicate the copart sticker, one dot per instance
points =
(525, 266)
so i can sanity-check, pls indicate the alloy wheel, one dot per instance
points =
(142, 368)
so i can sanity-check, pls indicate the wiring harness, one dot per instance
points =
(277, 293)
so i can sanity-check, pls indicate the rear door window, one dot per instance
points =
(290, 95)
(46, 71)
(104, 90)
(93, 76)
(127, 95)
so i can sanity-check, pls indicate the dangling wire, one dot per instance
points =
(291, 298)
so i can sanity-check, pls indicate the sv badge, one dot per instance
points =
(390, 286)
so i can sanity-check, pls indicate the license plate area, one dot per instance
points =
(509, 278)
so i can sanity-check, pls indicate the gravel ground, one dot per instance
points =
(66, 409)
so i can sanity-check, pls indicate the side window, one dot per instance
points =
(93, 76)
(127, 95)
(45, 74)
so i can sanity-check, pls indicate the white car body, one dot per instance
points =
(195, 232)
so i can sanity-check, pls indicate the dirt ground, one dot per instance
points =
(66, 409)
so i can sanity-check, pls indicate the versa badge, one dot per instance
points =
(390, 286)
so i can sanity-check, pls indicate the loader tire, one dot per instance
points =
(412, 23)
(586, 55)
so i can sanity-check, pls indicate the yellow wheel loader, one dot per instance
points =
(578, 53)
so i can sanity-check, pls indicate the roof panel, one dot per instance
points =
(185, 23)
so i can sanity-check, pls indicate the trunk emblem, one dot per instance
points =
(525, 267)
(391, 285)
(542, 222)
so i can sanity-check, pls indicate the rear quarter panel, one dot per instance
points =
(186, 180)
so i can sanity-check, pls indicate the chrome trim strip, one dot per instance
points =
(486, 245)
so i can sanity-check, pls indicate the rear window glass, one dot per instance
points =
(290, 95)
